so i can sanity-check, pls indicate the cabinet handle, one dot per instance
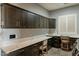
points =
(21, 51)
(35, 45)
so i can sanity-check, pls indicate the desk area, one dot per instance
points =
(72, 35)
(73, 38)
(12, 46)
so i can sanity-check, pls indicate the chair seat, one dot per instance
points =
(64, 41)
(43, 47)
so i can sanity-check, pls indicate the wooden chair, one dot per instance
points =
(44, 48)
(65, 43)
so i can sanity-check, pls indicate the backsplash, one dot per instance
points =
(21, 33)
(7, 32)
(33, 32)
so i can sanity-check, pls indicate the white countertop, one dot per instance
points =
(12, 45)
(70, 35)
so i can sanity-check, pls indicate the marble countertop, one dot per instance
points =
(12, 45)
(15, 44)
(70, 35)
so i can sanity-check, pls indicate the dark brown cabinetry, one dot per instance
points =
(15, 17)
(30, 20)
(37, 21)
(54, 42)
(11, 16)
(25, 20)
(44, 22)
(52, 23)
(32, 50)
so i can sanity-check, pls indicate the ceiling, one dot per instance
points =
(54, 6)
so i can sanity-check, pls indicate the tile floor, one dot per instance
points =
(58, 52)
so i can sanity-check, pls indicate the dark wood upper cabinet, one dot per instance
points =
(31, 20)
(12, 16)
(37, 21)
(52, 23)
(15, 17)
(25, 20)
(43, 22)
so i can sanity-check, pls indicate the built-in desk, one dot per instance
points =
(72, 36)
(12, 45)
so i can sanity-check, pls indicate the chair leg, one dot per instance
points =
(61, 46)
(46, 50)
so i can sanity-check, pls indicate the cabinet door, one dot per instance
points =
(45, 22)
(52, 23)
(41, 22)
(30, 20)
(37, 21)
(19, 52)
(11, 16)
(35, 49)
(19, 18)
(25, 20)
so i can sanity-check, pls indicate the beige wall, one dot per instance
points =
(0, 15)
(22, 33)
(7, 32)
(33, 8)
(32, 32)
(0, 22)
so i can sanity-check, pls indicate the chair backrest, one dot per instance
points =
(65, 38)
(45, 42)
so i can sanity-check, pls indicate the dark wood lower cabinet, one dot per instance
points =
(32, 50)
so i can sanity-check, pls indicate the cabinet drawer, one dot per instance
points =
(32, 50)
(37, 44)
(16, 53)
